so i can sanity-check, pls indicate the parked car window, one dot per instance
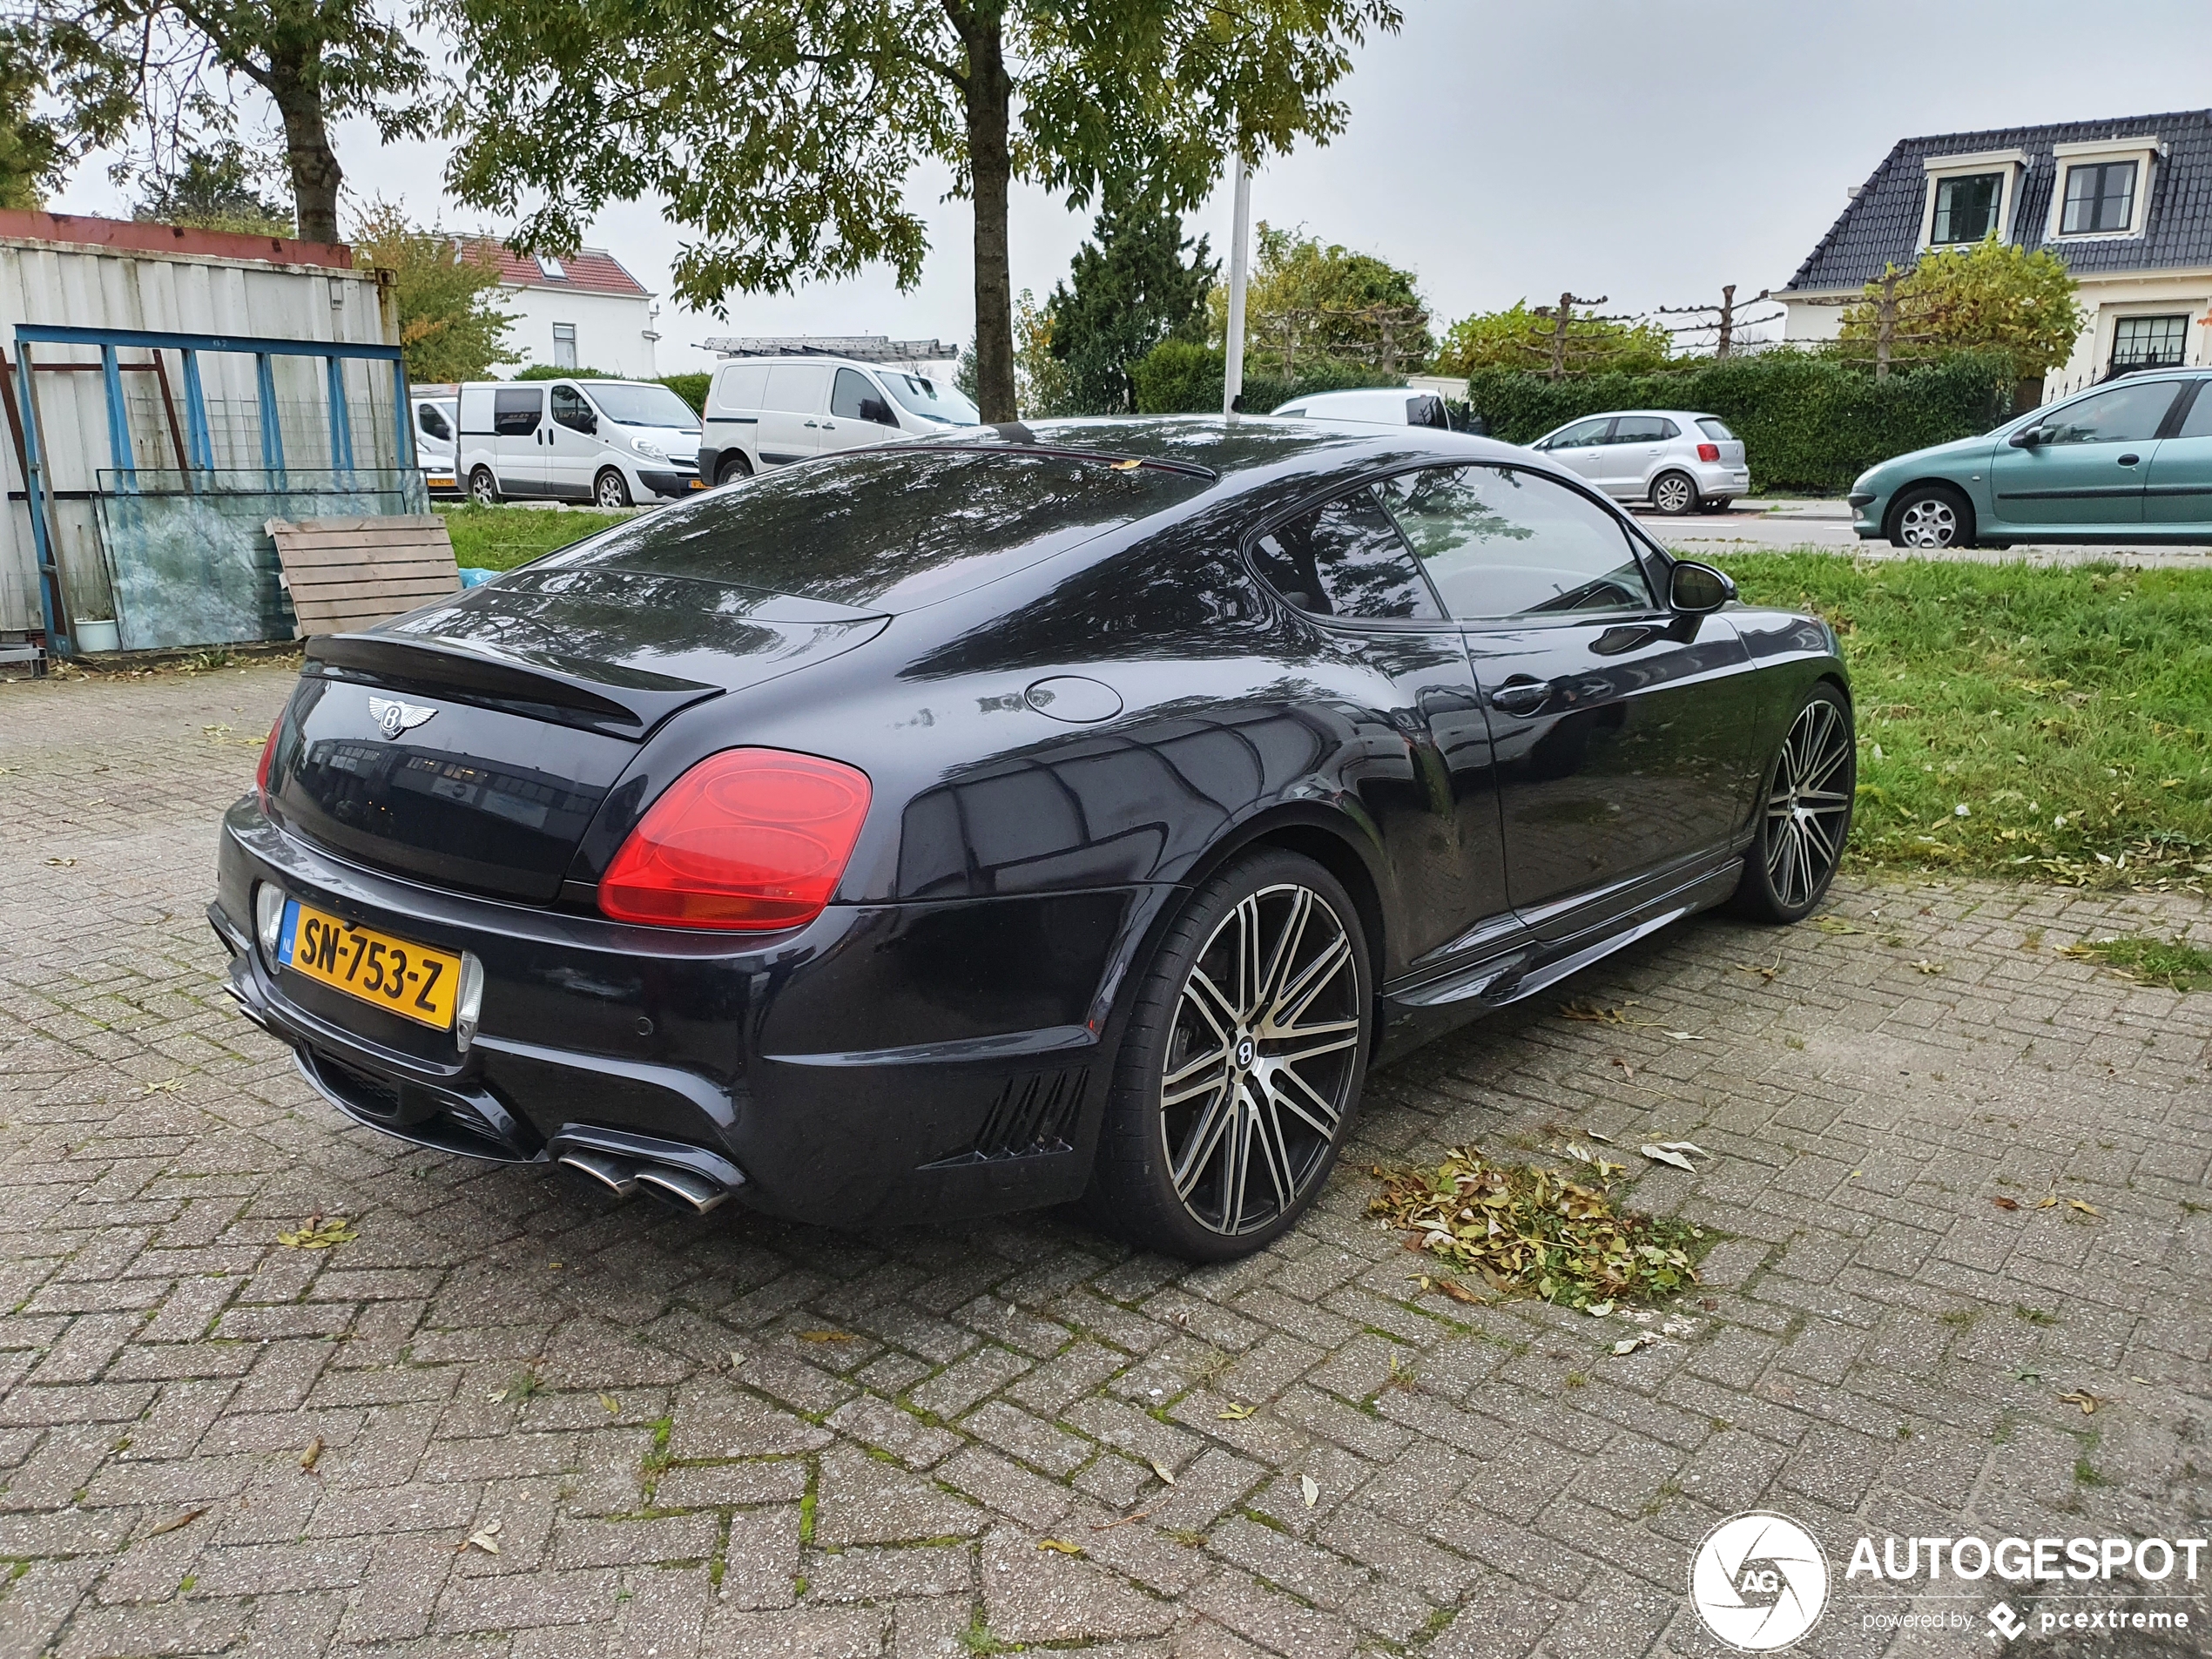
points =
(571, 411)
(855, 398)
(433, 422)
(743, 386)
(1582, 435)
(1346, 559)
(1715, 430)
(1966, 209)
(515, 411)
(635, 405)
(2100, 197)
(2198, 423)
(2118, 414)
(1499, 542)
(933, 400)
(1427, 410)
(1644, 429)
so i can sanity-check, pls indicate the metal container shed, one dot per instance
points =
(180, 400)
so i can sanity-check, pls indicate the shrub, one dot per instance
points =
(690, 387)
(1808, 421)
(1177, 377)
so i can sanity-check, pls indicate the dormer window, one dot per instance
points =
(1967, 207)
(2103, 187)
(1970, 198)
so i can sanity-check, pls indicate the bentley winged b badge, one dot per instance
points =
(394, 716)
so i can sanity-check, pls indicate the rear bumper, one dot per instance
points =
(885, 1063)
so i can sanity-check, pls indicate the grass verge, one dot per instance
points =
(2176, 966)
(2054, 723)
(499, 538)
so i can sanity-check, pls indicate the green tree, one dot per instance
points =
(32, 160)
(451, 328)
(1039, 378)
(217, 189)
(1129, 289)
(160, 78)
(1305, 300)
(1518, 338)
(1992, 296)
(786, 132)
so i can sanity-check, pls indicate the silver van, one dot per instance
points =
(765, 412)
(614, 443)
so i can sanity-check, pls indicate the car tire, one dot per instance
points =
(484, 488)
(1930, 518)
(611, 488)
(1203, 1094)
(1675, 494)
(731, 468)
(1804, 814)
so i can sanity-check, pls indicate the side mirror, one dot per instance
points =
(875, 409)
(1694, 588)
(2026, 438)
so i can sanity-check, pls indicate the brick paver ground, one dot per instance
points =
(730, 1437)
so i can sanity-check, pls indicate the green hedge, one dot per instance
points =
(1177, 377)
(690, 387)
(1808, 422)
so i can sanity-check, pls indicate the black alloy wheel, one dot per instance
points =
(1242, 1065)
(1805, 812)
(611, 489)
(484, 488)
(1675, 494)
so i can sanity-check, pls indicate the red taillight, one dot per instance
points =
(268, 757)
(749, 838)
(1709, 452)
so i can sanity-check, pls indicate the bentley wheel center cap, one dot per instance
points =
(1246, 1052)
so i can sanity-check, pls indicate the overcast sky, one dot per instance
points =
(1648, 152)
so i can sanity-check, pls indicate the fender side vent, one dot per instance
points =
(1035, 1113)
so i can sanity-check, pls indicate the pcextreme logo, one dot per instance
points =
(1759, 1582)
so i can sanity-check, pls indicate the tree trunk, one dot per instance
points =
(295, 86)
(990, 163)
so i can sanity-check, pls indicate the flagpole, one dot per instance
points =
(1232, 366)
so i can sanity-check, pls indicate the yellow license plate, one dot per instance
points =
(411, 981)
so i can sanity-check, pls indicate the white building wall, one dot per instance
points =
(81, 285)
(2160, 294)
(614, 332)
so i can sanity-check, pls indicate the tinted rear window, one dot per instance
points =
(887, 530)
(1715, 430)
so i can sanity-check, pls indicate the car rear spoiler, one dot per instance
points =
(609, 697)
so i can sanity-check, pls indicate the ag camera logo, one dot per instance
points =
(1759, 1582)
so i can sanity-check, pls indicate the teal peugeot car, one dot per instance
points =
(2129, 461)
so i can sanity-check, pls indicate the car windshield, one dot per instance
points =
(628, 404)
(931, 400)
(887, 529)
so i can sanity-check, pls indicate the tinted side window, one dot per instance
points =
(1498, 541)
(2198, 423)
(1641, 428)
(2124, 415)
(433, 421)
(1346, 559)
(571, 411)
(514, 414)
(850, 392)
(1427, 410)
(1584, 434)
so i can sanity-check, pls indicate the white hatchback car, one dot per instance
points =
(764, 412)
(1680, 463)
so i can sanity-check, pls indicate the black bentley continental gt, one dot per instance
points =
(1073, 811)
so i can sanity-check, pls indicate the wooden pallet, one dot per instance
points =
(349, 573)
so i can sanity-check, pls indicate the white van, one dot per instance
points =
(770, 411)
(1370, 406)
(436, 413)
(610, 441)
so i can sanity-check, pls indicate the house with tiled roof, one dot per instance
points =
(2126, 203)
(581, 311)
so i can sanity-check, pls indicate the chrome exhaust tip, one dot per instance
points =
(613, 1174)
(680, 1187)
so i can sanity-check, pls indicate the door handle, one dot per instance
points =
(2129, 461)
(829, 426)
(1520, 695)
(810, 423)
